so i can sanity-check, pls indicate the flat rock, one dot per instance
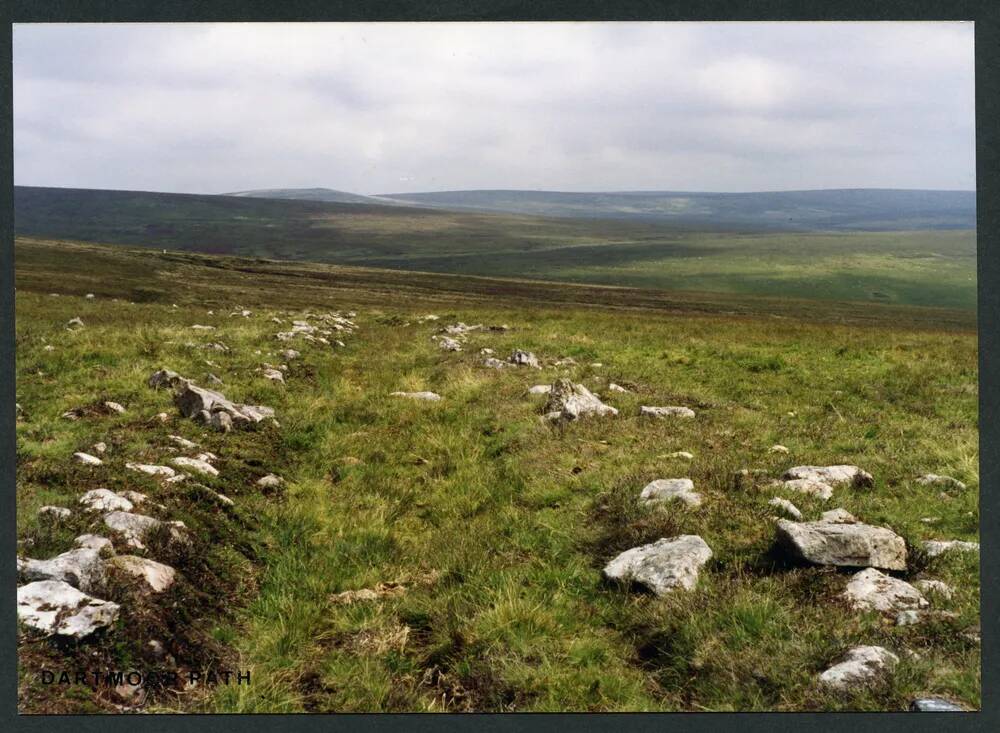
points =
(271, 481)
(524, 358)
(183, 442)
(935, 587)
(935, 705)
(196, 465)
(540, 389)
(494, 363)
(808, 486)
(668, 411)
(776, 448)
(668, 489)
(102, 500)
(192, 400)
(861, 664)
(221, 421)
(133, 496)
(101, 447)
(87, 459)
(115, 407)
(786, 506)
(133, 527)
(152, 470)
(662, 566)
(81, 568)
(274, 375)
(848, 545)
(290, 354)
(102, 545)
(449, 344)
(429, 396)
(838, 516)
(155, 576)
(832, 475)
(54, 512)
(871, 590)
(570, 401)
(56, 607)
(681, 454)
(933, 548)
(214, 495)
(616, 388)
(947, 482)
(165, 378)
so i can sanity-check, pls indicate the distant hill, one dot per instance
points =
(824, 210)
(328, 195)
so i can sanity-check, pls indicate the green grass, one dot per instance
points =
(497, 523)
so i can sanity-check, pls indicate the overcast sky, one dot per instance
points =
(379, 108)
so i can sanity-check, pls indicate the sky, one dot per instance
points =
(403, 107)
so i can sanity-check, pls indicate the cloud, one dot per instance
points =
(570, 106)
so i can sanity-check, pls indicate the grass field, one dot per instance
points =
(934, 268)
(495, 523)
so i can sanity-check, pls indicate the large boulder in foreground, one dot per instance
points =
(154, 576)
(192, 401)
(570, 401)
(832, 475)
(55, 607)
(871, 590)
(81, 568)
(860, 665)
(667, 489)
(662, 566)
(848, 545)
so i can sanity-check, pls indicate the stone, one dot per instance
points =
(133, 527)
(540, 389)
(838, 516)
(663, 566)
(290, 354)
(156, 577)
(786, 506)
(114, 407)
(274, 375)
(196, 465)
(214, 495)
(449, 344)
(568, 361)
(460, 328)
(271, 481)
(848, 545)
(82, 568)
(102, 545)
(933, 548)
(832, 475)
(524, 358)
(87, 459)
(74, 322)
(207, 456)
(221, 421)
(192, 400)
(616, 388)
(429, 396)
(494, 363)
(935, 587)
(182, 442)
(89, 296)
(101, 447)
(570, 401)
(681, 454)
(911, 616)
(668, 489)
(56, 607)
(935, 705)
(165, 378)
(871, 590)
(861, 664)
(151, 470)
(133, 496)
(662, 412)
(777, 448)
(56, 513)
(947, 482)
(199, 327)
(102, 500)
(807, 486)
(216, 346)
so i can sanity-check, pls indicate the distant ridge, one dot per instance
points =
(328, 195)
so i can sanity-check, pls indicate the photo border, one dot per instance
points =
(984, 13)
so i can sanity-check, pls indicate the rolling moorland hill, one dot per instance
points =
(931, 267)
(449, 555)
(328, 195)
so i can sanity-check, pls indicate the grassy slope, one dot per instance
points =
(933, 268)
(516, 517)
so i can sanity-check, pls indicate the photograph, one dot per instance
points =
(496, 367)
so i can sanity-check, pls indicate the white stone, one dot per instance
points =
(681, 454)
(933, 479)
(832, 475)
(662, 566)
(271, 481)
(151, 470)
(55, 512)
(935, 587)
(183, 442)
(616, 388)
(849, 545)
(133, 527)
(449, 344)
(102, 500)
(871, 590)
(540, 389)
(668, 489)
(810, 487)
(933, 548)
(99, 447)
(81, 568)
(860, 665)
(668, 411)
(777, 448)
(196, 465)
(430, 396)
(87, 459)
(570, 401)
(786, 506)
(838, 516)
(55, 607)
(115, 407)
(155, 576)
(95, 542)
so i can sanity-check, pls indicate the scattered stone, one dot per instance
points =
(133, 496)
(669, 411)
(161, 417)
(681, 454)
(114, 407)
(57, 513)
(221, 421)
(74, 322)
(196, 465)
(156, 576)
(207, 457)
(568, 361)
(101, 447)
(183, 442)
(807, 486)
(786, 506)
(290, 354)
(871, 590)
(271, 481)
(429, 396)
(947, 482)
(524, 358)
(81, 568)
(933, 587)
(87, 459)
(216, 346)
(102, 545)
(662, 566)
(930, 520)
(151, 470)
(667, 489)
(777, 448)
(860, 665)
(381, 590)
(274, 375)
(56, 607)
(933, 548)
(192, 400)
(133, 527)
(214, 495)
(199, 327)
(102, 500)
(540, 389)
(849, 545)
(569, 401)
(449, 344)
(89, 296)
(494, 363)
(838, 516)
(832, 475)
(461, 328)
(165, 378)
(616, 388)
(935, 705)
(596, 365)
(48, 347)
